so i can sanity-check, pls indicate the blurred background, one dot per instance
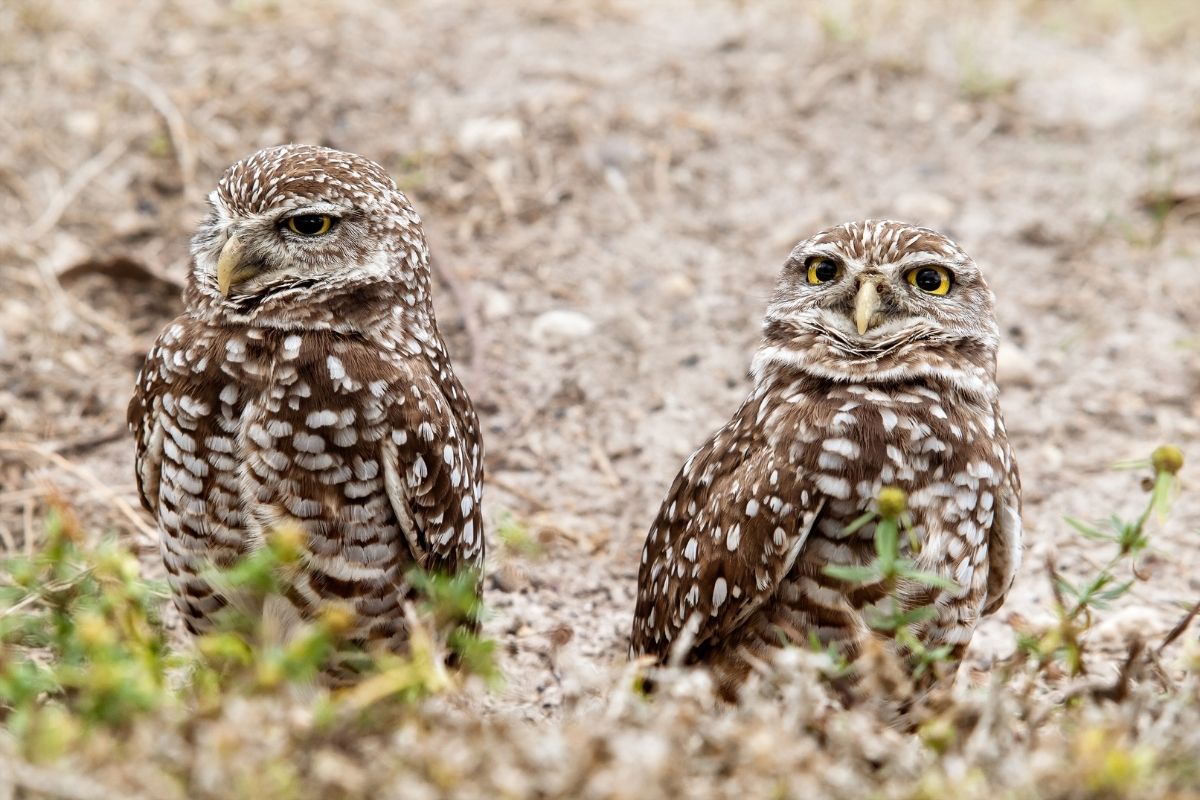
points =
(609, 190)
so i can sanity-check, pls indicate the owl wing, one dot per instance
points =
(730, 528)
(432, 467)
(1005, 537)
(143, 418)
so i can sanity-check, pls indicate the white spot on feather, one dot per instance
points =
(720, 590)
(319, 419)
(833, 486)
(734, 538)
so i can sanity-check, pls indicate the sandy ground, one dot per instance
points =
(609, 190)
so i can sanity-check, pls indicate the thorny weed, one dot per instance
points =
(891, 570)
(1075, 602)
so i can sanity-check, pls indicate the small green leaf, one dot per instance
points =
(940, 653)
(930, 579)
(1088, 531)
(851, 574)
(899, 620)
(1065, 586)
(854, 526)
(1113, 593)
(476, 655)
(1131, 463)
(516, 536)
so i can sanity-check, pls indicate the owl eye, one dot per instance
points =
(822, 270)
(310, 224)
(933, 280)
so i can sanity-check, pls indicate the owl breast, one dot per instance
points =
(310, 442)
(280, 433)
(854, 440)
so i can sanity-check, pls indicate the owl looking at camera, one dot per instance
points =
(307, 384)
(877, 369)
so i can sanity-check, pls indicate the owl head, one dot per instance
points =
(878, 301)
(296, 224)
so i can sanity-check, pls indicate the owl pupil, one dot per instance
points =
(308, 224)
(929, 280)
(825, 271)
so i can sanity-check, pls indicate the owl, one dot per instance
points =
(307, 384)
(876, 369)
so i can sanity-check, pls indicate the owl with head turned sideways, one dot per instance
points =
(876, 369)
(307, 384)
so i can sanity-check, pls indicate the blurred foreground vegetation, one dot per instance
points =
(95, 700)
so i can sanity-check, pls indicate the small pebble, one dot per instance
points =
(558, 327)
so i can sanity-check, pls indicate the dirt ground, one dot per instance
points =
(609, 190)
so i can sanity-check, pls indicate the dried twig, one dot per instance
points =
(604, 463)
(176, 126)
(1180, 627)
(119, 503)
(80, 178)
(516, 491)
(85, 443)
(42, 591)
(1118, 690)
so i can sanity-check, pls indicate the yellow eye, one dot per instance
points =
(310, 224)
(822, 270)
(931, 279)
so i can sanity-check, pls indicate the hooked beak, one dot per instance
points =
(230, 269)
(866, 305)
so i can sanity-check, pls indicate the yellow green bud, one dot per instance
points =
(892, 502)
(938, 734)
(1167, 458)
(338, 618)
(52, 735)
(117, 564)
(270, 673)
(287, 541)
(24, 573)
(224, 648)
(94, 631)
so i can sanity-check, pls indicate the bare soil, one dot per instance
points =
(609, 190)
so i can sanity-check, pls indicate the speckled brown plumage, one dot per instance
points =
(314, 389)
(732, 566)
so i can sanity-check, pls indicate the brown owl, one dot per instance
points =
(307, 383)
(877, 368)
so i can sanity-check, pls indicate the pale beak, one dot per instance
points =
(866, 305)
(230, 269)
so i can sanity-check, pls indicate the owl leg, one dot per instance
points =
(944, 639)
